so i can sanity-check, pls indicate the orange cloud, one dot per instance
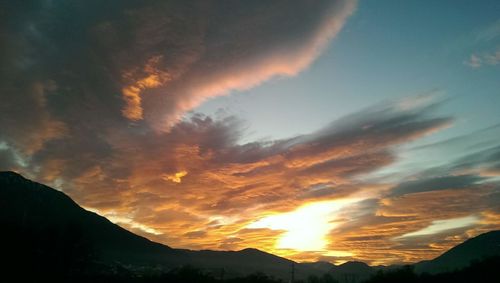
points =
(176, 177)
(231, 186)
(215, 66)
(153, 78)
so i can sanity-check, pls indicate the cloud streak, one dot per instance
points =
(484, 59)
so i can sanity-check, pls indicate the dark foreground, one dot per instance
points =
(486, 270)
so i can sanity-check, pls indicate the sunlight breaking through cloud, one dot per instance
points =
(306, 227)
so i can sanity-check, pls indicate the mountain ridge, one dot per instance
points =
(460, 256)
(31, 208)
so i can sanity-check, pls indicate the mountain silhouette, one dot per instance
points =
(352, 271)
(460, 256)
(45, 234)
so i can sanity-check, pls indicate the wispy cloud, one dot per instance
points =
(477, 60)
(490, 56)
(489, 33)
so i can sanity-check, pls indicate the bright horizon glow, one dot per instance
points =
(306, 227)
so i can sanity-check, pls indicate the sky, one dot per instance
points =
(315, 130)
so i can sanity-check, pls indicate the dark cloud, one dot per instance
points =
(435, 184)
(82, 68)
(327, 190)
(7, 160)
(485, 159)
(474, 153)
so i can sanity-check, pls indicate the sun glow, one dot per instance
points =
(306, 227)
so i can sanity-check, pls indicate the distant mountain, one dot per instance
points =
(352, 271)
(480, 247)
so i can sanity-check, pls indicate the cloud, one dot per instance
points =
(458, 188)
(7, 159)
(489, 33)
(148, 62)
(176, 177)
(373, 230)
(434, 184)
(483, 161)
(229, 185)
(195, 234)
(474, 61)
(94, 102)
(86, 87)
(486, 40)
(123, 175)
(485, 58)
(438, 226)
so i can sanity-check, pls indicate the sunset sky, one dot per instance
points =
(315, 130)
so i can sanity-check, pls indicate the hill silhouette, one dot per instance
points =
(47, 236)
(478, 271)
(460, 256)
(43, 225)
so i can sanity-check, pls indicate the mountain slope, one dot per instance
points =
(45, 233)
(29, 206)
(49, 232)
(482, 246)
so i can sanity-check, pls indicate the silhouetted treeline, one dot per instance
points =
(186, 274)
(56, 254)
(484, 271)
